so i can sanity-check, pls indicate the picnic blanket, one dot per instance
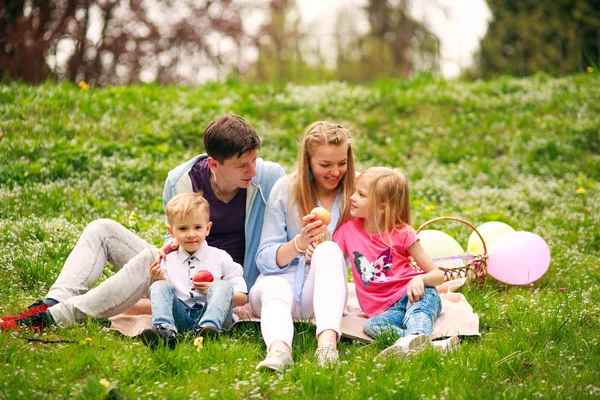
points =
(457, 316)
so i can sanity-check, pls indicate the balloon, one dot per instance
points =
(438, 244)
(518, 258)
(490, 232)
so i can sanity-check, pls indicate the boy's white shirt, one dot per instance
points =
(179, 267)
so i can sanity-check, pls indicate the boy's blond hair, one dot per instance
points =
(184, 203)
(388, 189)
(303, 192)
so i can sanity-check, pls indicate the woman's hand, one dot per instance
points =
(311, 231)
(416, 289)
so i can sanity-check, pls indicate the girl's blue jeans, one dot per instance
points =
(172, 313)
(406, 317)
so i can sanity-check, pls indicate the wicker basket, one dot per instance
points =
(475, 268)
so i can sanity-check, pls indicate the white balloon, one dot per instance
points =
(438, 244)
(491, 231)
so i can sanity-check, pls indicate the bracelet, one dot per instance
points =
(297, 248)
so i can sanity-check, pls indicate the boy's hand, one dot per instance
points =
(156, 272)
(416, 289)
(202, 286)
(162, 252)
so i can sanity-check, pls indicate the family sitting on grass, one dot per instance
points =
(240, 218)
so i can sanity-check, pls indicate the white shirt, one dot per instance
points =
(179, 267)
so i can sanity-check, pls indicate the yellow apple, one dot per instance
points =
(321, 214)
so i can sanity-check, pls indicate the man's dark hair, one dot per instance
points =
(228, 136)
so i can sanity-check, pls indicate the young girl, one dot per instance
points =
(288, 288)
(379, 240)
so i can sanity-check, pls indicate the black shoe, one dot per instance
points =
(152, 337)
(207, 332)
(39, 321)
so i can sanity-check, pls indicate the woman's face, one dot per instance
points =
(328, 164)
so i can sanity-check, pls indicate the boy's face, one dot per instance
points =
(236, 172)
(191, 230)
(359, 201)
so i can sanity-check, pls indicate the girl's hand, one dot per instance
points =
(202, 286)
(416, 289)
(156, 272)
(309, 251)
(311, 231)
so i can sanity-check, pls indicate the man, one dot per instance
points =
(236, 184)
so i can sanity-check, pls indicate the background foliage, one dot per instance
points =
(512, 150)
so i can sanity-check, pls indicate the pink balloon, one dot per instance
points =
(518, 258)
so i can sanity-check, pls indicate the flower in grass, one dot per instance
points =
(84, 85)
(132, 220)
(589, 70)
(104, 382)
(580, 190)
(86, 340)
(430, 207)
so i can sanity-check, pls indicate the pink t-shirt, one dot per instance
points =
(381, 274)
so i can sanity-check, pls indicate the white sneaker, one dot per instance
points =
(406, 345)
(447, 345)
(276, 360)
(327, 356)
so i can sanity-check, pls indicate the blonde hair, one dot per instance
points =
(304, 192)
(388, 188)
(184, 203)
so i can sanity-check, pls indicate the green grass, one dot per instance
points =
(511, 150)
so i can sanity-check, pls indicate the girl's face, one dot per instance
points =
(359, 201)
(328, 164)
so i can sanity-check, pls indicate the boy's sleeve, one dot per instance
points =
(233, 273)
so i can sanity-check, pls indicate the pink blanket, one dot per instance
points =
(457, 317)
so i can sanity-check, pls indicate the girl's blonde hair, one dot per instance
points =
(388, 189)
(304, 192)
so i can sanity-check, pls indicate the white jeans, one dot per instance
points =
(102, 241)
(324, 295)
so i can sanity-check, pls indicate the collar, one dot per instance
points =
(183, 255)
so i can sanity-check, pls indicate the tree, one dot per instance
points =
(118, 42)
(527, 36)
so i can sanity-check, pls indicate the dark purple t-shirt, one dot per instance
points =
(227, 232)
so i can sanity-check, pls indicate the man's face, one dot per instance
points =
(236, 172)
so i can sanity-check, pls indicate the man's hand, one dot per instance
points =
(170, 246)
(416, 289)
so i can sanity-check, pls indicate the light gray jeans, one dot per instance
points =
(102, 241)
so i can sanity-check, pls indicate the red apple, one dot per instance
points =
(321, 214)
(203, 276)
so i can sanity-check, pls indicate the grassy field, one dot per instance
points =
(511, 150)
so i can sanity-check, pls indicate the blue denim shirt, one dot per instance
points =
(280, 226)
(267, 174)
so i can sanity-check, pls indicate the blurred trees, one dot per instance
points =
(117, 42)
(527, 36)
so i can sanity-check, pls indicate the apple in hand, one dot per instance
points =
(322, 215)
(203, 276)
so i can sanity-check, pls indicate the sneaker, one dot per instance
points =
(38, 306)
(327, 356)
(276, 360)
(207, 332)
(447, 345)
(406, 345)
(152, 337)
(39, 321)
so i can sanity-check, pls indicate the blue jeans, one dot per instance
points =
(406, 318)
(172, 313)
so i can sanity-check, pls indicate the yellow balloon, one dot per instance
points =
(490, 231)
(438, 244)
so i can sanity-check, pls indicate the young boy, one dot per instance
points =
(179, 302)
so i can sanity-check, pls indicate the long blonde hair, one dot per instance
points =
(388, 192)
(304, 191)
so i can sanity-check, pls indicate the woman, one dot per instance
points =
(289, 288)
